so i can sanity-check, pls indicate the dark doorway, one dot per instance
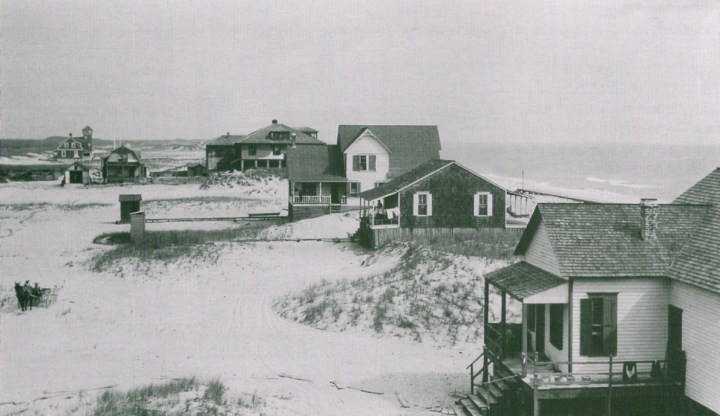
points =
(540, 328)
(674, 345)
(335, 193)
(76, 176)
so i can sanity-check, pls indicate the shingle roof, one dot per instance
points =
(707, 191)
(603, 240)
(263, 136)
(225, 140)
(306, 129)
(409, 146)
(405, 180)
(523, 279)
(699, 262)
(315, 163)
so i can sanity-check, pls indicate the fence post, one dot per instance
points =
(472, 378)
(137, 227)
(609, 396)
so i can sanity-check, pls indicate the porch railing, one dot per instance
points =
(311, 199)
(659, 369)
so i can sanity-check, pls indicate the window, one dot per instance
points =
(252, 150)
(422, 204)
(364, 162)
(598, 325)
(556, 326)
(483, 205)
(354, 190)
(276, 150)
(76, 154)
(280, 135)
(378, 184)
(65, 145)
(63, 152)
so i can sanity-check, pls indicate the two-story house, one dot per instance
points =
(123, 165)
(263, 148)
(620, 305)
(365, 156)
(75, 148)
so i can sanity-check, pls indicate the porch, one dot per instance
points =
(538, 380)
(318, 193)
(381, 213)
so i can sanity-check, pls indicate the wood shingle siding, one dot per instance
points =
(453, 194)
(700, 341)
(540, 253)
(641, 317)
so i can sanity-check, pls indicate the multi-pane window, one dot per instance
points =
(598, 325)
(364, 162)
(556, 325)
(483, 204)
(422, 204)
(354, 190)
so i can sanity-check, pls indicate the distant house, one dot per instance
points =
(82, 173)
(263, 148)
(196, 169)
(439, 195)
(331, 177)
(627, 289)
(123, 165)
(76, 147)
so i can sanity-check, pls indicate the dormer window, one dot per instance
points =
(280, 135)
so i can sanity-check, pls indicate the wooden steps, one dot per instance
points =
(489, 399)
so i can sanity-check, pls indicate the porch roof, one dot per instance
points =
(523, 280)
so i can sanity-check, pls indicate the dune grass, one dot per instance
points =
(429, 295)
(186, 396)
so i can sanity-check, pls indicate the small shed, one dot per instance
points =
(196, 169)
(77, 173)
(129, 203)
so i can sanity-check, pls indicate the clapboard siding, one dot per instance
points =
(700, 340)
(540, 252)
(641, 317)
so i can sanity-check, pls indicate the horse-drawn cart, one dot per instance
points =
(48, 296)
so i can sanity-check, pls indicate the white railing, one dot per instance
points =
(311, 199)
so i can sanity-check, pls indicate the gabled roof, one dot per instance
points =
(707, 191)
(604, 240)
(263, 136)
(413, 176)
(315, 163)
(124, 149)
(405, 180)
(409, 146)
(86, 128)
(523, 279)
(225, 140)
(699, 262)
(70, 140)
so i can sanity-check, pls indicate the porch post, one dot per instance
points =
(486, 311)
(524, 329)
(502, 325)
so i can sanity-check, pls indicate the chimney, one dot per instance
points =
(70, 134)
(649, 218)
(293, 137)
(274, 121)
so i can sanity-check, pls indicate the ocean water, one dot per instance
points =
(605, 173)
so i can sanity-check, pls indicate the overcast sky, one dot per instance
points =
(496, 72)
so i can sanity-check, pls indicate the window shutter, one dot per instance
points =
(429, 205)
(356, 162)
(372, 162)
(585, 326)
(415, 204)
(610, 325)
(490, 204)
(476, 204)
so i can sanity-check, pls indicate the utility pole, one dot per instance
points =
(522, 186)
